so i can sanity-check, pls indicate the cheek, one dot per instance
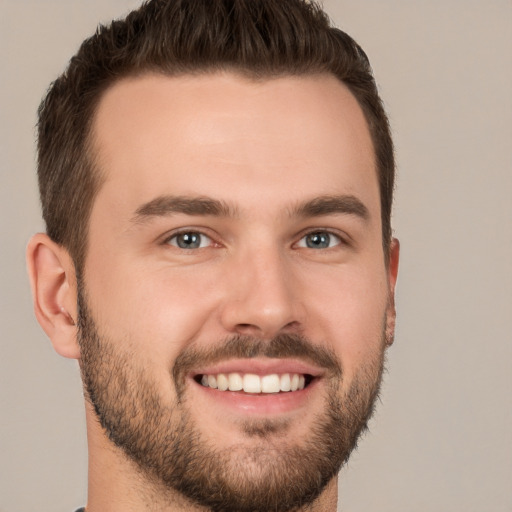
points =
(347, 310)
(158, 311)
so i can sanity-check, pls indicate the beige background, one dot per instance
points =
(442, 438)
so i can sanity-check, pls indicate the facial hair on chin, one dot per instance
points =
(168, 446)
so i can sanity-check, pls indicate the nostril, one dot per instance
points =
(249, 329)
(293, 326)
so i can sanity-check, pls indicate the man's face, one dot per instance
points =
(235, 243)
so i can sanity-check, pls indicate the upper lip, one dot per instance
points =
(260, 366)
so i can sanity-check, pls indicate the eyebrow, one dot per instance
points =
(329, 205)
(167, 205)
(206, 206)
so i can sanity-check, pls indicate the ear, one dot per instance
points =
(53, 281)
(394, 256)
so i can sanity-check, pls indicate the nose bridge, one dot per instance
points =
(262, 299)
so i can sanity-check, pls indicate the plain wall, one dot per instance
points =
(441, 439)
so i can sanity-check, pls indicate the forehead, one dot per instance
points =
(232, 138)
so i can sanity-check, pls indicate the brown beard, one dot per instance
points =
(168, 446)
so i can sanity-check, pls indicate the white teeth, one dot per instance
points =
(235, 382)
(270, 384)
(251, 383)
(285, 382)
(212, 381)
(222, 382)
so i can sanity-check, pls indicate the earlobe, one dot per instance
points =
(394, 256)
(53, 282)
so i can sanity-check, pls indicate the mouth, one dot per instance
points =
(255, 384)
(262, 387)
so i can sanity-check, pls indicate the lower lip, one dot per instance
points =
(260, 404)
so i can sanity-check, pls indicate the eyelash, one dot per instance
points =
(175, 235)
(322, 232)
(341, 240)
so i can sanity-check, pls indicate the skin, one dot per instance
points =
(263, 148)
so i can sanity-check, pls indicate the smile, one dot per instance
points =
(262, 387)
(256, 384)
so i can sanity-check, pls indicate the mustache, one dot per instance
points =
(247, 347)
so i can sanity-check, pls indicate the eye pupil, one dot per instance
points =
(318, 240)
(188, 240)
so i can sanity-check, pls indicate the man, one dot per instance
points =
(216, 180)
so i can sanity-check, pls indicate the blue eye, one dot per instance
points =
(319, 240)
(190, 240)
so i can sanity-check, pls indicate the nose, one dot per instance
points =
(262, 299)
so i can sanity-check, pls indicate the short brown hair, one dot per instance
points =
(258, 38)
